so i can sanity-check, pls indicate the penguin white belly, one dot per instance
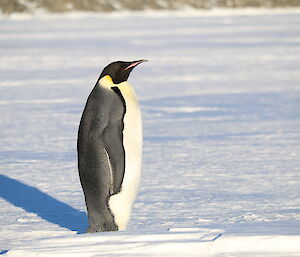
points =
(121, 204)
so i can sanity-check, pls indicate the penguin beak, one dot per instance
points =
(134, 64)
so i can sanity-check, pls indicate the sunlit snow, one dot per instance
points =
(221, 112)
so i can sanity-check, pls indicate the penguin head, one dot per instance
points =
(119, 71)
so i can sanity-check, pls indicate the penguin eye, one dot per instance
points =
(122, 68)
(117, 71)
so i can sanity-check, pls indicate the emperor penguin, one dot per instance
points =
(109, 149)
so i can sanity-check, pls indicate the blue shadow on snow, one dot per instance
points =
(45, 206)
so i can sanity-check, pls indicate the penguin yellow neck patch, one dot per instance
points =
(108, 78)
(106, 82)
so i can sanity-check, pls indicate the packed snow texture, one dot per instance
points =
(221, 112)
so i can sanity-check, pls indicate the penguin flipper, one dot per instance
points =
(113, 143)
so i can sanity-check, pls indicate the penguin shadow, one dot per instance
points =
(45, 206)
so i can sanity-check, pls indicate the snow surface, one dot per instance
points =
(221, 111)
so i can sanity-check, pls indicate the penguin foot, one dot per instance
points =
(102, 228)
